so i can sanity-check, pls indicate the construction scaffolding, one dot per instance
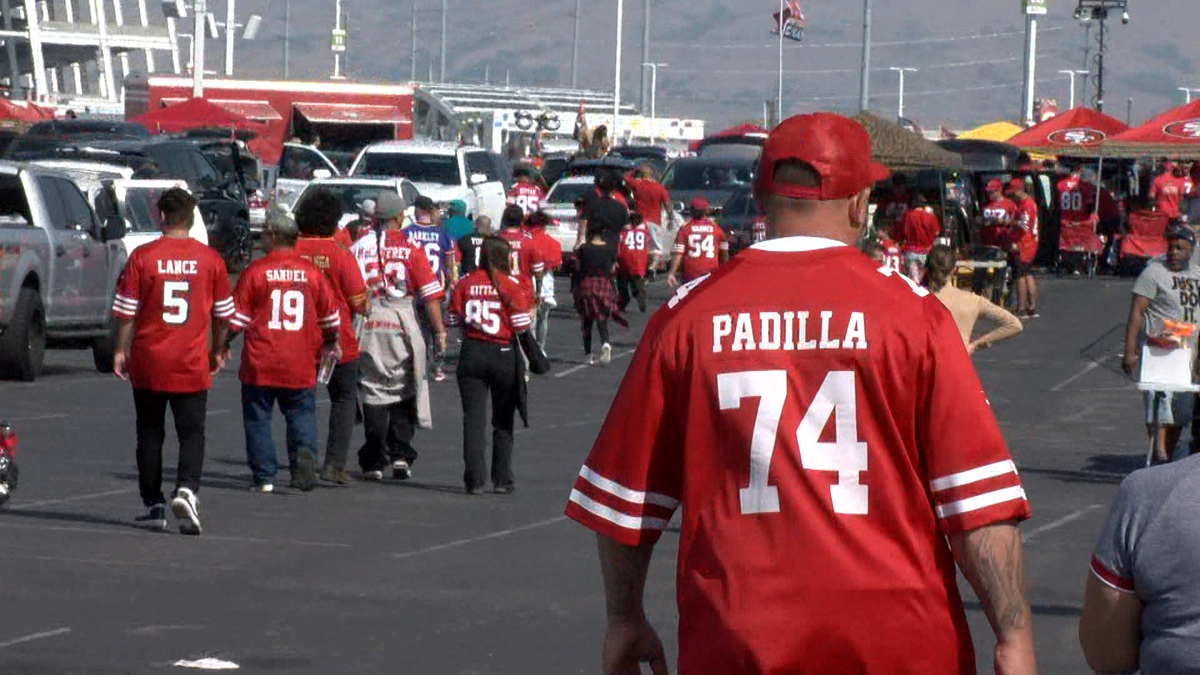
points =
(76, 52)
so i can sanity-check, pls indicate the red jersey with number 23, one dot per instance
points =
(169, 288)
(284, 303)
(698, 242)
(486, 313)
(821, 436)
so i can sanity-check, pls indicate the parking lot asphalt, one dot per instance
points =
(420, 578)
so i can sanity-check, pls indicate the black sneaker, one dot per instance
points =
(155, 517)
(186, 508)
(401, 470)
(1032, 314)
(304, 478)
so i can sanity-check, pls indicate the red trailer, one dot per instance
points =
(343, 115)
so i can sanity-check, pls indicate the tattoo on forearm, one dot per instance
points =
(993, 564)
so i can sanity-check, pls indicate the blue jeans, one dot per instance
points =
(299, 408)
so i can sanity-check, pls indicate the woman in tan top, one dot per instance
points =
(966, 307)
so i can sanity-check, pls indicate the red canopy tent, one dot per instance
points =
(739, 130)
(196, 113)
(1174, 133)
(1078, 128)
(22, 111)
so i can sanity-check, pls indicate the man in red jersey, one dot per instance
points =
(919, 228)
(289, 315)
(492, 307)
(1167, 189)
(549, 253)
(1025, 240)
(526, 261)
(392, 367)
(651, 200)
(825, 481)
(317, 222)
(998, 216)
(525, 193)
(164, 298)
(700, 246)
(632, 256)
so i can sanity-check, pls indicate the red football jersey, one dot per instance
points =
(891, 254)
(919, 228)
(821, 436)
(406, 270)
(547, 249)
(342, 236)
(998, 217)
(283, 305)
(349, 289)
(169, 288)
(1076, 200)
(1166, 190)
(633, 250)
(526, 260)
(649, 198)
(698, 242)
(527, 196)
(1026, 234)
(487, 314)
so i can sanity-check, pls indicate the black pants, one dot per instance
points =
(629, 285)
(189, 411)
(488, 369)
(343, 399)
(390, 430)
(601, 327)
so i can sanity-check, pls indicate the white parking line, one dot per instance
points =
(33, 418)
(1086, 369)
(77, 498)
(582, 366)
(485, 537)
(35, 636)
(1055, 524)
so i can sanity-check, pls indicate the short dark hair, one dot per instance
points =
(635, 218)
(178, 207)
(606, 181)
(320, 214)
(513, 216)
(497, 255)
(595, 230)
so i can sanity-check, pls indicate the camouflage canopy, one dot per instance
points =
(899, 149)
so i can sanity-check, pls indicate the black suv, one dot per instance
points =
(222, 197)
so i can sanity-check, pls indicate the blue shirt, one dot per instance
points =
(434, 240)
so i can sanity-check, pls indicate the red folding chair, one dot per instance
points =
(1078, 241)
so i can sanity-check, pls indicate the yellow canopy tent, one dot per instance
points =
(996, 131)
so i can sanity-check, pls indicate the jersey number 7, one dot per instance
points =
(845, 455)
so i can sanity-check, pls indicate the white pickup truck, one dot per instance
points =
(59, 263)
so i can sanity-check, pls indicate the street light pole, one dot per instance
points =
(612, 132)
(864, 86)
(575, 49)
(445, 32)
(653, 98)
(199, 28)
(901, 71)
(779, 92)
(1071, 74)
(1187, 92)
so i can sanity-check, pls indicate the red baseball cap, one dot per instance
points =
(1016, 184)
(698, 204)
(994, 185)
(836, 147)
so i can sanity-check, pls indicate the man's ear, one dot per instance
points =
(859, 206)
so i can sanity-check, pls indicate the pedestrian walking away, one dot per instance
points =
(470, 246)
(595, 297)
(777, 418)
(289, 315)
(653, 203)
(393, 384)
(429, 236)
(603, 209)
(525, 193)
(700, 246)
(317, 221)
(457, 224)
(632, 257)
(549, 253)
(162, 306)
(492, 307)
(1025, 244)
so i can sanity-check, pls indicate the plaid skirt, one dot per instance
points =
(596, 299)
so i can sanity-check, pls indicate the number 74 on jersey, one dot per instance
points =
(845, 455)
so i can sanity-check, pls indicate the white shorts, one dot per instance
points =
(1174, 409)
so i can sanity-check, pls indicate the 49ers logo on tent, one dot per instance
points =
(1189, 129)
(1078, 136)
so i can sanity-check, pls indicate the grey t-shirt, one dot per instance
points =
(1173, 295)
(1150, 546)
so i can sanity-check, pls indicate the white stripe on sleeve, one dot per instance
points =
(616, 517)
(982, 501)
(973, 475)
(620, 491)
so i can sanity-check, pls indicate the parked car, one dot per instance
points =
(231, 156)
(442, 171)
(737, 219)
(299, 164)
(59, 269)
(713, 178)
(53, 133)
(222, 200)
(354, 191)
(654, 155)
(137, 202)
(554, 167)
(592, 167)
(559, 204)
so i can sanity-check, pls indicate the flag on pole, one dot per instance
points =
(792, 22)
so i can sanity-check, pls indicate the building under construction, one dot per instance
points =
(78, 52)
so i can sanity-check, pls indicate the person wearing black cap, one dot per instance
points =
(820, 412)
(700, 246)
(1164, 291)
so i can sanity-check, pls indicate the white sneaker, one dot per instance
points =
(401, 470)
(186, 508)
(373, 476)
(591, 360)
(263, 488)
(605, 354)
